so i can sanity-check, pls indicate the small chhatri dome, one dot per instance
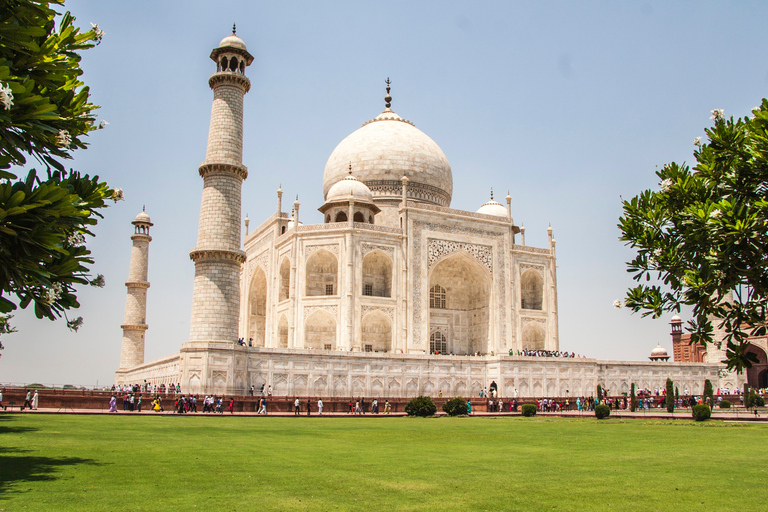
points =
(493, 208)
(659, 354)
(142, 217)
(349, 188)
(232, 40)
(676, 319)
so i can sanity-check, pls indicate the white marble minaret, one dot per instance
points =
(218, 255)
(135, 323)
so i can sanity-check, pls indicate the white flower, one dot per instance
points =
(118, 195)
(75, 239)
(617, 304)
(755, 109)
(63, 139)
(666, 185)
(75, 324)
(103, 124)
(716, 214)
(697, 141)
(719, 275)
(99, 281)
(6, 96)
(53, 293)
(717, 114)
(98, 33)
(657, 252)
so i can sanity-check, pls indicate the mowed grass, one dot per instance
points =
(123, 462)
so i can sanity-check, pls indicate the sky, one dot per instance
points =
(569, 106)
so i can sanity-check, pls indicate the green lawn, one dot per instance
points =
(121, 462)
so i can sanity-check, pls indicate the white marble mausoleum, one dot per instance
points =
(394, 294)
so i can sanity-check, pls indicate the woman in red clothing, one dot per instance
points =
(231, 406)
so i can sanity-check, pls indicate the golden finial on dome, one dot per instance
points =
(491, 193)
(388, 98)
(234, 29)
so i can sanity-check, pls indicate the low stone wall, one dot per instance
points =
(99, 400)
(226, 368)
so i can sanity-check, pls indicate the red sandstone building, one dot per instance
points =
(685, 352)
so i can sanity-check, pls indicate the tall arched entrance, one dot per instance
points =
(377, 332)
(257, 307)
(757, 376)
(460, 303)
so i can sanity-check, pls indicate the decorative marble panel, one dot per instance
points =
(439, 248)
(333, 309)
(390, 312)
(333, 248)
(531, 266)
(366, 248)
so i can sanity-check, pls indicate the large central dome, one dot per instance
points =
(384, 150)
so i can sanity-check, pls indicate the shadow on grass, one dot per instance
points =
(16, 467)
(15, 470)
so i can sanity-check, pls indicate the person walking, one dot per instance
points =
(319, 406)
(1, 400)
(308, 407)
(35, 400)
(27, 401)
(113, 404)
(263, 409)
(231, 406)
(296, 407)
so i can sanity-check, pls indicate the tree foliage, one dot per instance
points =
(632, 399)
(45, 113)
(701, 238)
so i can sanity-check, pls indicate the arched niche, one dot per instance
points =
(320, 331)
(377, 274)
(285, 279)
(531, 290)
(358, 217)
(757, 375)
(341, 217)
(466, 303)
(282, 332)
(322, 274)
(257, 307)
(376, 332)
(533, 336)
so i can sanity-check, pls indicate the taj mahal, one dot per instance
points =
(394, 294)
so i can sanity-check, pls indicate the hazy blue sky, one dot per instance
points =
(568, 105)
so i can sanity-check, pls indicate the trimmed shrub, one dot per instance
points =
(455, 406)
(599, 392)
(670, 399)
(602, 411)
(725, 404)
(708, 393)
(528, 410)
(757, 400)
(632, 399)
(701, 412)
(422, 406)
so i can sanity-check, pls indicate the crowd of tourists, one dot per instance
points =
(147, 387)
(543, 353)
